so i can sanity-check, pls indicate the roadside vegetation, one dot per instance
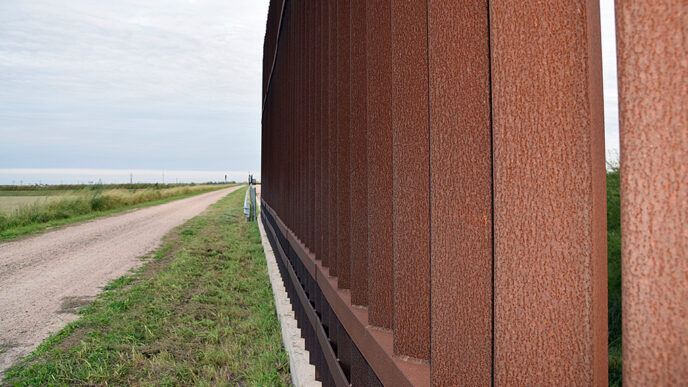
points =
(32, 210)
(614, 274)
(200, 312)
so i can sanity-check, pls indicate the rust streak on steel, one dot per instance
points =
(359, 149)
(653, 100)
(550, 320)
(461, 152)
(411, 198)
(343, 165)
(380, 265)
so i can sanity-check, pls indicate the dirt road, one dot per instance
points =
(44, 279)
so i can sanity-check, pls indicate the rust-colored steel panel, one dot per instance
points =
(411, 198)
(380, 258)
(359, 152)
(333, 229)
(550, 319)
(343, 165)
(325, 251)
(303, 125)
(311, 125)
(376, 345)
(317, 97)
(461, 178)
(653, 101)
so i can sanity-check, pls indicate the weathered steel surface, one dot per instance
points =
(376, 346)
(317, 126)
(332, 211)
(380, 247)
(461, 178)
(653, 100)
(343, 164)
(311, 94)
(550, 323)
(325, 251)
(411, 196)
(359, 155)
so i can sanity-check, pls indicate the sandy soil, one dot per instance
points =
(44, 279)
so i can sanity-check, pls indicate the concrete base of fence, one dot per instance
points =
(302, 372)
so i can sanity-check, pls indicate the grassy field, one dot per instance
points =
(614, 275)
(200, 312)
(29, 211)
(8, 204)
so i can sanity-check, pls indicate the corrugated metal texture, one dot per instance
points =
(653, 101)
(359, 156)
(549, 194)
(380, 258)
(411, 168)
(343, 140)
(461, 178)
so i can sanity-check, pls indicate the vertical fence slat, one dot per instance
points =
(310, 94)
(653, 103)
(343, 165)
(550, 322)
(411, 198)
(324, 136)
(359, 150)
(380, 270)
(332, 211)
(317, 127)
(461, 178)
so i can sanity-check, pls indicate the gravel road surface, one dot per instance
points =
(45, 278)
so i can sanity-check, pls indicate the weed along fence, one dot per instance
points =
(434, 189)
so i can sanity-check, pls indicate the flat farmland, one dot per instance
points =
(31, 209)
(12, 200)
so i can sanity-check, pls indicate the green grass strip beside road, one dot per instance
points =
(38, 227)
(200, 312)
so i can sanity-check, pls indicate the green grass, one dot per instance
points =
(614, 275)
(200, 312)
(86, 204)
(10, 203)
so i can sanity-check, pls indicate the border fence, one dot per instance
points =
(433, 185)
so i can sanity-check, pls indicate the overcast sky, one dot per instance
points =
(149, 84)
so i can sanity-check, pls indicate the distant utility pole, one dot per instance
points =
(225, 179)
(131, 178)
(163, 176)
